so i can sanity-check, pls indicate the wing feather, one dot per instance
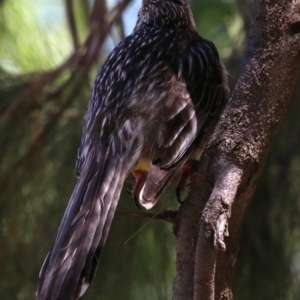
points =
(197, 93)
(70, 266)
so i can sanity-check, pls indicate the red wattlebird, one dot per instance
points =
(152, 106)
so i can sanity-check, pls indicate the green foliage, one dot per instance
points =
(30, 40)
(219, 21)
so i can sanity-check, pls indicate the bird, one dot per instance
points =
(153, 106)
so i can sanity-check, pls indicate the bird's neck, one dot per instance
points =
(164, 17)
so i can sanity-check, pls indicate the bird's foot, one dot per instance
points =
(188, 176)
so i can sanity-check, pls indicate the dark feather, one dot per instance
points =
(71, 263)
(195, 97)
(157, 95)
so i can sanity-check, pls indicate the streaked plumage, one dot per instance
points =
(156, 97)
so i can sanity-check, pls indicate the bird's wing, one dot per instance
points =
(197, 93)
(111, 144)
(70, 265)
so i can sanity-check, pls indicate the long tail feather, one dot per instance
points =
(71, 263)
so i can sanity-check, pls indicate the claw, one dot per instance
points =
(188, 173)
(178, 192)
(129, 189)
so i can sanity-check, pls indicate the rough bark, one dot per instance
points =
(231, 165)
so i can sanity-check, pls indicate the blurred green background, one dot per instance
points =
(46, 72)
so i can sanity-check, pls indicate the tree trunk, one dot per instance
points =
(232, 163)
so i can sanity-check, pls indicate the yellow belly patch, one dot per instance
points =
(143, 164)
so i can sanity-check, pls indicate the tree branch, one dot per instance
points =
(231, 165)
(214, 226)
(72, 23)
(167, 216)
(79, 63)
(83, 57)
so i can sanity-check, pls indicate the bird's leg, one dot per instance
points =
(188, 173)
(139, 180)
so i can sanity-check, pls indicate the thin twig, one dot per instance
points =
(140, 229)
(91, 46)
(167, 216)
(81, 62)
(72, 23)
(122, 30)
(99, 11)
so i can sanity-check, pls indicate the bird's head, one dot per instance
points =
(167, 13)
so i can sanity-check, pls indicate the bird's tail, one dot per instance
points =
(71, 263)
